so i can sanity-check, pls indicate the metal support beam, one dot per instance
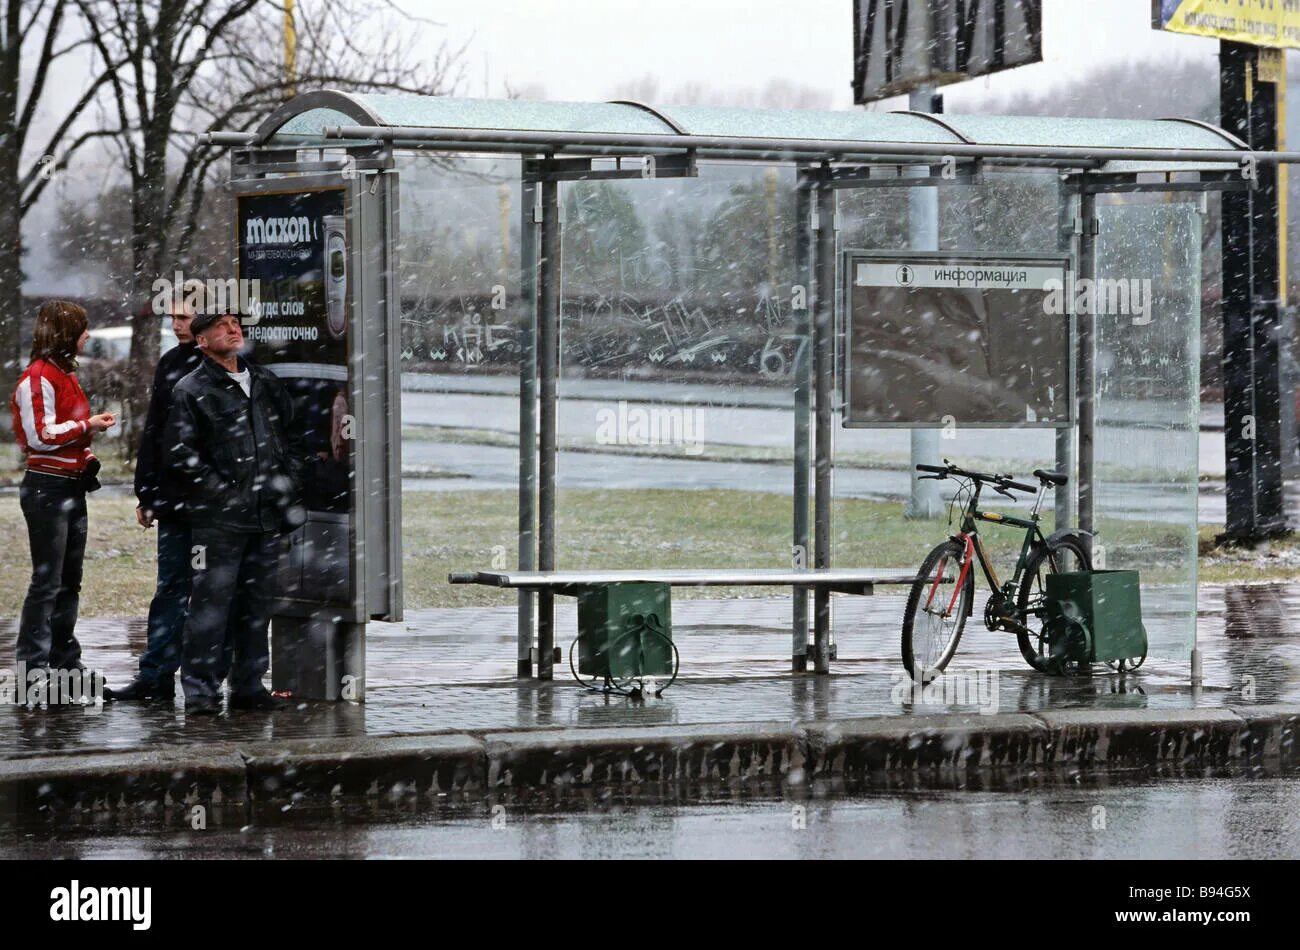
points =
(795, 149)
(802, 414)
(528, 227)
(823, 371)
(965, 172)
(672, 165)
(1252, 384)
(548, 364)
(1135, 182)
(1087, 367)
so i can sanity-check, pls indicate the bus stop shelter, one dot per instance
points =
(1121, 201)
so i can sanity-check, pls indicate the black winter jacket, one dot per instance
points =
(237, 461)
(153, 485)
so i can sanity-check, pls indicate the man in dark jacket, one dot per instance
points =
(156, 496)
(237, 459)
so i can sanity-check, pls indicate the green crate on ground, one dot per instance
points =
(1108, 604)
(617, 630)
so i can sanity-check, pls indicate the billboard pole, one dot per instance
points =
(1252, 389)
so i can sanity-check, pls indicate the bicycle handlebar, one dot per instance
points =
(943, 471)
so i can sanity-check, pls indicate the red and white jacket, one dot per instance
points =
(51, 416)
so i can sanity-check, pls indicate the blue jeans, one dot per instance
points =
(162, 656)
(55, 510)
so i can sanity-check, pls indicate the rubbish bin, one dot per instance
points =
(625, 631)
(1095, 617)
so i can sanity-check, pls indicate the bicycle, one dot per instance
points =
(942, 595)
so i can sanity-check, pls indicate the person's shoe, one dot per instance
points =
(141, 690)
(202, 706)
(259, 700)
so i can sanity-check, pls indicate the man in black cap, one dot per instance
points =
(155, 494)
(237, 460)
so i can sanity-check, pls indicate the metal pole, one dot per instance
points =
(1087, 370)
(923, 235)
(802, 414)
(548, 366)
(823, 368)
(1065, 508)
(528, 213)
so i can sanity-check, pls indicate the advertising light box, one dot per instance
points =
(294, 246)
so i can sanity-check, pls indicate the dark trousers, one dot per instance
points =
(55, 510)
(162, 655)
(232, 594)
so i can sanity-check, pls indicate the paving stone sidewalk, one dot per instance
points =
(452, 670)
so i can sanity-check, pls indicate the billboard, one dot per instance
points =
(294, 246)
(899, 45)
(943, 340)
(1271, 24)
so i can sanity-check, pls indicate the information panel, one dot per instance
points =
(940, 340)
(294, 246)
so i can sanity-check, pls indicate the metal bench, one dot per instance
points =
(574, 583)
(836, 580)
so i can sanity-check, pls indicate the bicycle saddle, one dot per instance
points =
(1055, 478)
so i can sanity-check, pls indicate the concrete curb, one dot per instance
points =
(1061, 744)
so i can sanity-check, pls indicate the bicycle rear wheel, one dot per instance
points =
(936, 613)
(1065, 555)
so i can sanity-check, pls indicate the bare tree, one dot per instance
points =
(36, 37)
(194, 66)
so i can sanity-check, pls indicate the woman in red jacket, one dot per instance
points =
(54, 427)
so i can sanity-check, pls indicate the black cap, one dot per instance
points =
(205, 319)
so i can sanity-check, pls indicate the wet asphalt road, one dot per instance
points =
(1243, 817)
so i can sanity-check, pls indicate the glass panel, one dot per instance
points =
(855, 125)
(448, 112)
(1069, 131)
(677, 358)
(459, 283)
(1006, 213)
(1148, 411)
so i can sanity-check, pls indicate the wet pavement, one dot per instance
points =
(453, 670)
(1203, 818)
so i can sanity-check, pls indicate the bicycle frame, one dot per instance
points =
(973, 547)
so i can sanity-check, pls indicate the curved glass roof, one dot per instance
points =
(310, 115)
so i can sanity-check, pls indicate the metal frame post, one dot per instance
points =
(528, 227)
(1066, 511)
(802, 414)
(548, 363)
(1087, 368)
(823, 368)
(924, 499)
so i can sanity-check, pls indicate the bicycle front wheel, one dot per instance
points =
(936, 613)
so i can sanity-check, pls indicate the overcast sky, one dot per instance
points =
(596, 49)
(586, 49)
